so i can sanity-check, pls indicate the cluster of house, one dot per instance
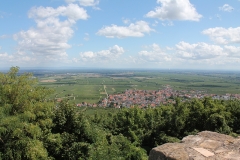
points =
(153, 98)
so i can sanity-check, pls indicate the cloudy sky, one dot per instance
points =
(159, 34)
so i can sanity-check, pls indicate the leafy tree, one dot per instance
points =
(233, 106)
(196, 116)
(25, 117)
(180, 118)
(217, 123)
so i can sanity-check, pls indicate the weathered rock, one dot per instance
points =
(205, 145)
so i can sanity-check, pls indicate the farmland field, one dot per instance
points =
(92, 86)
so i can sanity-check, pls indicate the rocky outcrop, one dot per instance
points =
(205, 145)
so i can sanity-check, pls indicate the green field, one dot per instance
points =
(89, 87)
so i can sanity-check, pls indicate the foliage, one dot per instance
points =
(26, 117)
(33, 127)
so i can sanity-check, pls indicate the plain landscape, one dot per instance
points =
(91, 86)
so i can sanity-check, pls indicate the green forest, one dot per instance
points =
(33, 127)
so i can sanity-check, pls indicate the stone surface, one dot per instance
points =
(204, 152)
(205, 145)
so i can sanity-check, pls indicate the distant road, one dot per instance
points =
(104, 86)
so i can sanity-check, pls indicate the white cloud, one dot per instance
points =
(155, 23)
(222, 35)
(226, 8)
(155, 54)
(137, 29)
(84, 2)
(70, 1)
(49, 39)
(233, 51)
(175, 10)
(218, 16)
(88, 2)
(103, 56)
(73, 12)
(3, 36)
(5, 57)
(86, 37)
(3, 14)
(198, 51)
(170, 23)
(126, 21)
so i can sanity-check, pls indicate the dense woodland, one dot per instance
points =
(34, 127)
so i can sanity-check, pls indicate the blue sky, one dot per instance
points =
(157, 34)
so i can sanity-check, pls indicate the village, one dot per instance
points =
(153, 98)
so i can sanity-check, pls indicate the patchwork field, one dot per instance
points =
(89, 87)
